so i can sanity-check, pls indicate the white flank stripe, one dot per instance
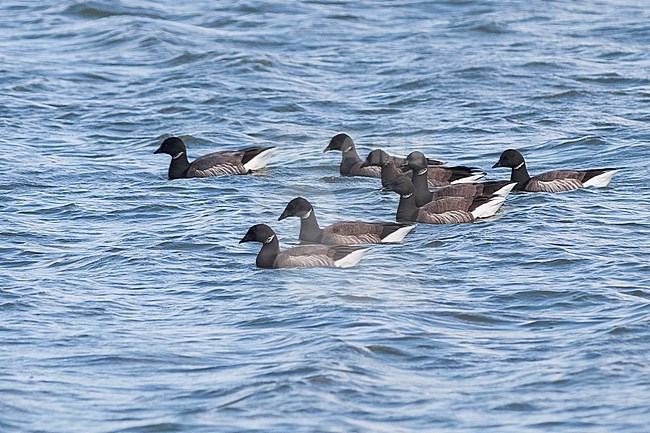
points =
(490, 208)
(351, 259)
(449, 217)
(505, 190)
(601, 180)
(558, 185)
(260, 160)
(469, 179)
(398, 234)
(219, 170)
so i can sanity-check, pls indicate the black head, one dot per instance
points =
(377, 158)
(510, 158)
(173, 146)
(401, 185)
(259, 233)
(416, 161)
(341, 142)
(298, 207)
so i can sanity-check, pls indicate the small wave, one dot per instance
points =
(543, 324)
(152, 428)
(561, 96)
(542, 65)
(613, 78)
(379, 349)
(288, 108)
(68, 209)
(517, 407)
(477, 72)
(95, 10)
(589, 140)
(485, 26)
(480, 318)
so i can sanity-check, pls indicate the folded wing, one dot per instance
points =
(556, 181)
(217, 164)
(447, 210)
(319, 255)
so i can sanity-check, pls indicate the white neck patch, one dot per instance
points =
(347, 149)
(178, 155)
(407, 195)
(519, 166)
(423, 171)
(270, 239)
(307, 215)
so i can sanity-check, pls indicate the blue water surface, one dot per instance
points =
(128, 305)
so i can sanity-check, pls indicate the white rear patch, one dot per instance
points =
(505, 190)
(488, 209)
(601, 180)
(260, 160)
(469, 179)
(351, 259)
(398, 234)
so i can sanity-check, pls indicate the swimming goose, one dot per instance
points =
(416, 161)
(351, 162)
(342, 233)
(388, 169)
(552, 181)
(270, 256)
(213, 164)
(436, 175)
(445, 210)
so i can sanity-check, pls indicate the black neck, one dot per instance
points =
(389, 172)
(421, 187)
(350, 158)
(268, 253)
(406, 210)
(521, 176)
(178, 167)
(309, 229)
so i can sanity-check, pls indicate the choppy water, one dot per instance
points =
(127, 304)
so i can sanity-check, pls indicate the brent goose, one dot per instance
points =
(436, 175)
(351, 163)
(213, 164)
(552, 181)
(417, 162)
(445, 210)
(389, 170)
(342, 233)
(270, 256)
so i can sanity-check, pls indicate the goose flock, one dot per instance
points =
(458, 197)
